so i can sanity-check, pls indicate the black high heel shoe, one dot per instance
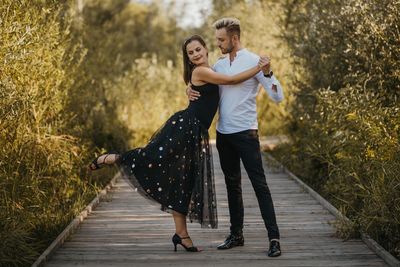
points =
(95, 165)
(176, 239)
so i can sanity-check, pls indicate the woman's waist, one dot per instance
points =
(199, 109)
(205, 116)
(204, 104)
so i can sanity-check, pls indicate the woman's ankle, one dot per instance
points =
(182, 233)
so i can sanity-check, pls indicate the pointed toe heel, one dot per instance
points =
(176, 239)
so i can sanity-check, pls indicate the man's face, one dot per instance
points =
(224, 41)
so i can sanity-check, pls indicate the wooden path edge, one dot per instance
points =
(371, 243)
(73, 225)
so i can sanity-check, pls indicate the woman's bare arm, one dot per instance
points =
(207, 75)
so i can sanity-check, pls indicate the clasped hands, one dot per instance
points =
(264, 63)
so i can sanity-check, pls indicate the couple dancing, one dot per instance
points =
(175, 168)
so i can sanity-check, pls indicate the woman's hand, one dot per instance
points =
(265, 64)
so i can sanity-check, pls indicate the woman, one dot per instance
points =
(175, 168)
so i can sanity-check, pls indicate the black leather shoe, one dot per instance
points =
(232, 241)
(274, 249)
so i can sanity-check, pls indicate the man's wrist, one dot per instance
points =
(268, 74)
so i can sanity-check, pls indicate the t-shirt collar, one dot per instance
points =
(238, 53)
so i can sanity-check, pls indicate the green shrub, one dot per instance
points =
(60, 83)
(148, 94)
(344, 122)
(42, 171)
(40, 179)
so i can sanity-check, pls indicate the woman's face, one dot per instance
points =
(197, 53)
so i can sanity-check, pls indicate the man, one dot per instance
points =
(237, 136)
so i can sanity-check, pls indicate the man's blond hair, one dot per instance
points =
(232, 25)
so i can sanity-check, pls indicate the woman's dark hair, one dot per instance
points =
(187, 65)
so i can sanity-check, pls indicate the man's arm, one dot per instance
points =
(268, 80)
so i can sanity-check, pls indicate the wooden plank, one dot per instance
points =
(72, 226)
(128, 231)
(385, 255)
(228, 263)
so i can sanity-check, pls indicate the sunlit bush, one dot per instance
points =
(40, 164)
(60, 88)
(345, 121)
(148, 94)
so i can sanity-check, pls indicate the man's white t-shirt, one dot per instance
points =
(237, 104)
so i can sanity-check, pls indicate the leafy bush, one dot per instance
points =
(148, 94)
(40, 166)
(345, 122)
(58, 80)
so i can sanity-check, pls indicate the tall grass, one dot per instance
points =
(345, 121)
(72, 78)
(40, 179)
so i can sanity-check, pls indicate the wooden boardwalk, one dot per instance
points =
(124, 230)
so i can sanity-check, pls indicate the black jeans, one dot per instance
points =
(246, 146)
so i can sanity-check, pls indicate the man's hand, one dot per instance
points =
(192, 94)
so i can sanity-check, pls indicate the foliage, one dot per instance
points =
(60, 69)
(345, 120)
(113, 34)
(40, 166)
(148, 79)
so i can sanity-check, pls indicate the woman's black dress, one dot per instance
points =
(175, 167)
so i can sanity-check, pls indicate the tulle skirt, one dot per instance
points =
(175, 169)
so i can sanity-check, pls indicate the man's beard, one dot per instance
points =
(228, 49)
